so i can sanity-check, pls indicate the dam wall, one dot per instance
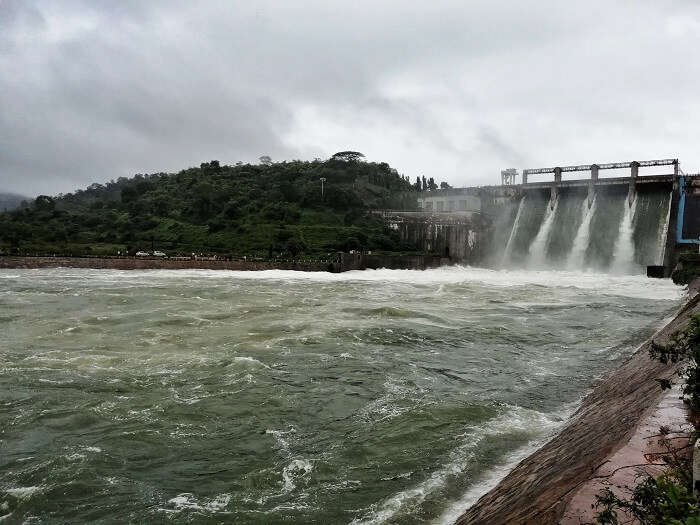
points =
(619, 225)
(344, 262)
(691, 212)
(461, 236)
(145, 263)
(364, 261)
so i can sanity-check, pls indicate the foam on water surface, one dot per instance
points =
(380, 396)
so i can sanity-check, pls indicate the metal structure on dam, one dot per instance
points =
(488, 225)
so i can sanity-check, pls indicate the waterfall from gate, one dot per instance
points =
(623, 255)
(538, 249)
(610, 236)
(576, 259)
(509, 246)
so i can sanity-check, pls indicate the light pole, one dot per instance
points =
(322, 179)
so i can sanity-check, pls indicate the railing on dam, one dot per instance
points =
(594, 168)
(594, 181)
(609, 181)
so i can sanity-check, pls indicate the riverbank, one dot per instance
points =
(135, 263)
(344, 263)
(609, 433)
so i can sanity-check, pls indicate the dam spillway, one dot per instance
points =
(614, 224)
(611, 235)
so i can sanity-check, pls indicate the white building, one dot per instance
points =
(450, 200)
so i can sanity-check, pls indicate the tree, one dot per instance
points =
(425, 184)
(161, 206)
(431, 184)
(208, 167)
(45, 203)
(444, 186)
(266, 160)
(348, 156)
(202, 201)
(417, 185)
(295, 245)
(129, 194)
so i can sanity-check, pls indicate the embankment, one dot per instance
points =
(344, 263)
(131, 263)
(361, 261)
(539, 490)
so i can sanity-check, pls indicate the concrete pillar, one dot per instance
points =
(676, 173)
(524, 176)
(634, 172)
(670, 251)
(555, 187)
(592, 183)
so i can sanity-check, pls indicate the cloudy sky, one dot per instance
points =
(93, 90)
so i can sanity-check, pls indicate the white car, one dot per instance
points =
(159, 254)
(141, 254)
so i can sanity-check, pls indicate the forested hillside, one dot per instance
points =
(264, 210)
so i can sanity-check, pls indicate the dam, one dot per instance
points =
(612, 224)
(387, 396)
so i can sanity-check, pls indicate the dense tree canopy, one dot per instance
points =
(255, 210)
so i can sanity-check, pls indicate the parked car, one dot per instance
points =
(142, 254)
(159, 254)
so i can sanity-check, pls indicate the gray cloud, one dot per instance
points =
(94, 90)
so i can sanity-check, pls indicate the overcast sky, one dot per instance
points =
(93, 90)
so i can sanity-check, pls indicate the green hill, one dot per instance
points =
(262, 210)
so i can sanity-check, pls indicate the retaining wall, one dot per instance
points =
(128, 263)
(359, 261)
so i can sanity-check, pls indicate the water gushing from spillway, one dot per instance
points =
(511, 238)
(623, 255)
(576, 259)
(537, 257)
(565, 234)
(663, 234)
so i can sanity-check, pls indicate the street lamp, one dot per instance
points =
(322, 179)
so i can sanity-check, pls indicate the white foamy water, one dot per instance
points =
(513, 232)
(537, 253)
(375, 397)
(625, 285)
(663, 233)
(577, 257)
(623, 256)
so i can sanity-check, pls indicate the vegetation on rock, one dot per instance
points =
(665, 500)
(684, 348)
(687, 269)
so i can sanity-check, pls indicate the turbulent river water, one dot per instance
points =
(263, 397)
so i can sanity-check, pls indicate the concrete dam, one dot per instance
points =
(620, 224)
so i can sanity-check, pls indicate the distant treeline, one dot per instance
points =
(270, 209)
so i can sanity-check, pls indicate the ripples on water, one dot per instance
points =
(260, 397)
